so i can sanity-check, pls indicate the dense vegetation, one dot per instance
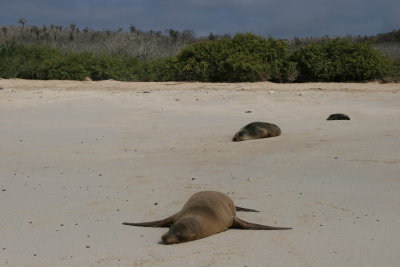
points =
(57, 53)
(245, 57)
(339, 60)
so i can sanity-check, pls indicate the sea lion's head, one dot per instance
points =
(183, 230)
(241, 136)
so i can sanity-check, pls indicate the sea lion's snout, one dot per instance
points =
(170, 238)
(182, 231)
(238, 137)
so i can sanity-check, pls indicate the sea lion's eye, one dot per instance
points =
(180, 236)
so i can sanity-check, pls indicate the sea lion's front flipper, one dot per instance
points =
(238, 223)
(163, 223)
(245, 209)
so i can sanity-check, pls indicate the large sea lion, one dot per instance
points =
(257, 130)
(204, 214)
(338, 116)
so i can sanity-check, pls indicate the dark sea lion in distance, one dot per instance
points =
(338, 116)
(257, 130)
(204, 214)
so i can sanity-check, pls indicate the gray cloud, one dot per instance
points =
(281, 19)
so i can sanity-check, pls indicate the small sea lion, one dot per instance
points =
(204, 214)
(338, 116)
(257, 130)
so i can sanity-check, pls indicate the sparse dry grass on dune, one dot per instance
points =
(79, 158)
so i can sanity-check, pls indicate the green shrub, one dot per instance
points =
(246, 57)
(340, 60)
(158, 70)
(20, 61)
(64, 67)
(42, 62)
(77, 66)
(203, 61)
(393, 75)
(103, 67)
(258, 58)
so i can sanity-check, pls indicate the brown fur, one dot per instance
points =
(257, 130)
(204, 214)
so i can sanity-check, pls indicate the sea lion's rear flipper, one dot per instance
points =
(245, 209)
(163, 223)
(238, 223)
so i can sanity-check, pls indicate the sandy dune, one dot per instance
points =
(79, 158)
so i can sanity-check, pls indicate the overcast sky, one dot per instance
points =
(277, 18)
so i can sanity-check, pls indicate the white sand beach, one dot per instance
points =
(79, 158)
